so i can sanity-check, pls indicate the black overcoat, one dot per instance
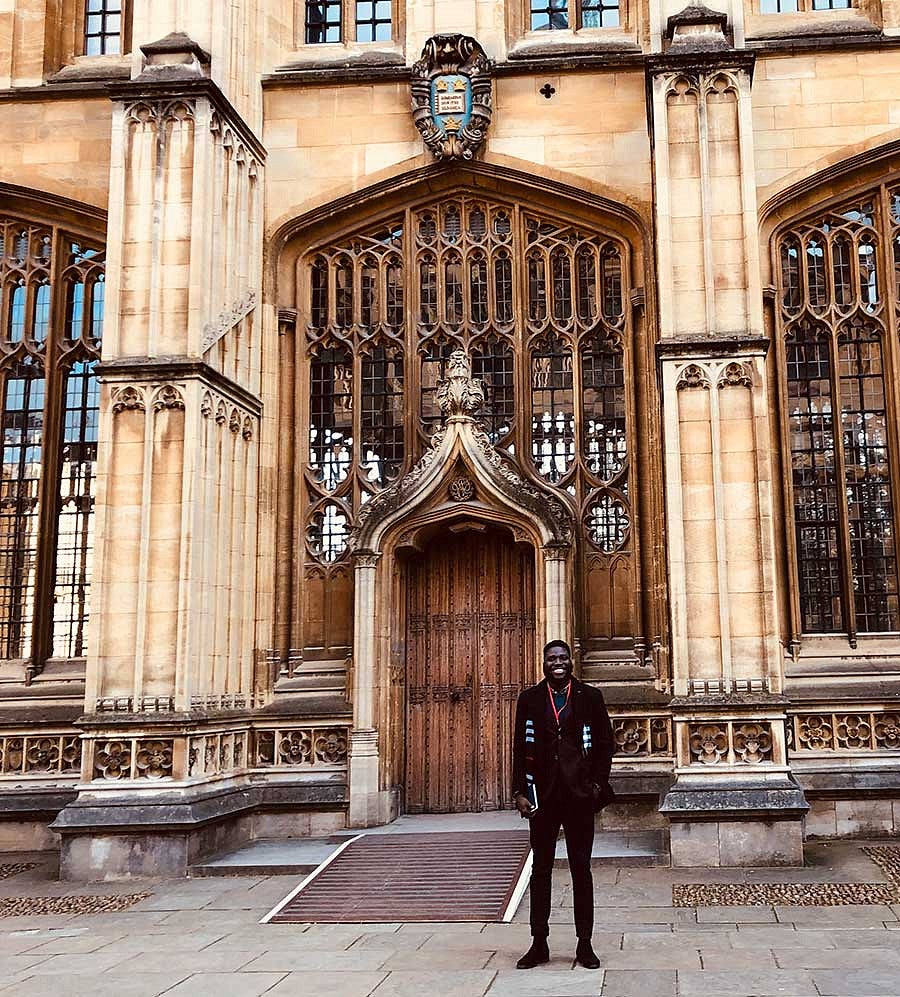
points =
(581, 757)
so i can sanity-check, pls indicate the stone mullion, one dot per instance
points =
(890, 346)
(51, 446)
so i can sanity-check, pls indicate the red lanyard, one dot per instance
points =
(557, 712)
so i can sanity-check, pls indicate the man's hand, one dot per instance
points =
(523, 805)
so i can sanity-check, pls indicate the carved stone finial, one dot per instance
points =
(450, 89)
(697, 29)
(459, 394)
(175, 57)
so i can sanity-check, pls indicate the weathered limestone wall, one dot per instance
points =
(325, 141)
(58, 146)
(810, 111)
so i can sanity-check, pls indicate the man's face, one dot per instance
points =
(557, 665)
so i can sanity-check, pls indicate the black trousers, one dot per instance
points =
(576, 818)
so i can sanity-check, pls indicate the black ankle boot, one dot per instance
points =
(585, 955)
(537, 955)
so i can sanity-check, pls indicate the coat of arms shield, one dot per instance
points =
(451, 95)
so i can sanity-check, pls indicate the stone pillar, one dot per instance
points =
(368, 804)
(733, 802)
(170, 680)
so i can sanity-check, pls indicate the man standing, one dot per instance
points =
(562, 753)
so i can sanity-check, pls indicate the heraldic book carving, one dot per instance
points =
(451, 96)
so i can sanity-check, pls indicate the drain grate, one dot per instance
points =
(442, 876)
(19, 906)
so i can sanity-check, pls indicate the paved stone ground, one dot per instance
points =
(202, 937)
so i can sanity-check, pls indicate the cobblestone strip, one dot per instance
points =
(17, 906)
(15, 868)
(789, 894)
(887, 858)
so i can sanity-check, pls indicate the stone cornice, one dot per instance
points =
(701, 61)
(711, 347)
(174, 368)
(188, 89)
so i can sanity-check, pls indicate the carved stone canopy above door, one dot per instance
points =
(461, 443)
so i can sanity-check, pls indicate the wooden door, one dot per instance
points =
(470, 652)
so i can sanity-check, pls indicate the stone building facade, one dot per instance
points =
(351, 350)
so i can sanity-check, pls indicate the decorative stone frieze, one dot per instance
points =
(748, 743)
(301, 747)
(845, 731)
(638, 737)
(47, 753)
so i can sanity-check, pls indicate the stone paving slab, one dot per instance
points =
(289, 961)
(841, 958)
(230, 984)
(432, 984)
(327, 984)
(639, 983)
(728, 959)
(547, 983)
(193, 939)
(746, 983)
(858, 983)
(108, 985)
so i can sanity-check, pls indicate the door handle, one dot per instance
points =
(455, 696)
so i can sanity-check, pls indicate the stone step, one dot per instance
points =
(299, 856)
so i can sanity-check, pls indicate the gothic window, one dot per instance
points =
(355, 430)
(51, 325)
(347, 20)
(551, 15)
(103, 27)
(839, 339)
(539, 307)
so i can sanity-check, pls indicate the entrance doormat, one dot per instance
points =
(439, 876)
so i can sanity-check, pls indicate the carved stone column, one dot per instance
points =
(730, 805)
(170, 678)
(368, 806)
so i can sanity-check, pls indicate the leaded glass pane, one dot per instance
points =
(604, 439)
(373, 20)
(381, 415)
(328, 533)
(331, 416)
(600, 13)
(23, 440)
(549, 15)
(492, 364)
(75, 520)
(867, 478)
(813, 475)
(323, 21)
(103, 27)
(552, 409)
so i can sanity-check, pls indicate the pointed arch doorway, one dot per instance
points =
(470, 645)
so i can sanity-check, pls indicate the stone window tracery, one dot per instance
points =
(51, 324)
(839, 338)
(539, 307)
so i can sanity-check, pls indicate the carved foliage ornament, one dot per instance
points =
(450, 91)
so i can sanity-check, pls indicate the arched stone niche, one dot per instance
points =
(488, 490)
